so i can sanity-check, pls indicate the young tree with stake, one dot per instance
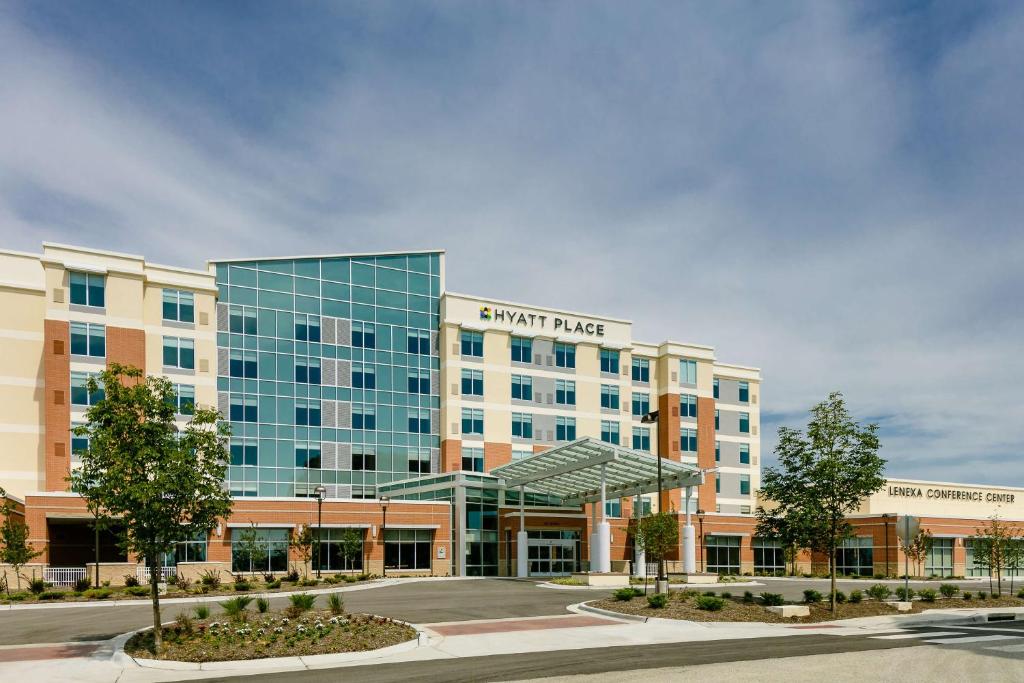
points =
(15, 549)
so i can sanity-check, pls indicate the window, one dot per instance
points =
(522, 387)
(744, 423)
(419, 420)
(718, 451)
(641, 439)
(744, 509)
(688, 440)
(341, 549)
(744, 454)
(192, 550)
(307, 327)
(522, 425)
(364, 461)
(87, 289)
(641, 403)
(418, 342)
(184, 399)
(364, 376)
(242, 408)
(718, 484)
(716, 388)
(419, 381)
(407, 548)
(565, 392)
(472, 421)
(687, 405)
(242, 363)
(179, 306)
(565, 355)
(243, 452)
(565, 428)
(613, 508)
(472, 344)
(364, 417)
(717, 420)
(641, 370)
(307, 455)
(472, 382)
(939, 560)
(768, 556)
(364, 335)
(79, 442)
(723, 554)
(610, 361)
(242, 320)
(522, 350)
(973, 565)
(88, 339)
(854, 556)
(472, 459)
(744, 484)
(307, 412)
(744, 392)
(179, 353)
(307, 370)
(267, 552)
(687, 371)
(610, 431)
(419, 462)
(610, 396)
(518, 454)
(80, 394)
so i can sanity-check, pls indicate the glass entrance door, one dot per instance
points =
(552, 552)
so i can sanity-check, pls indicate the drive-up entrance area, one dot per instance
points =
(543, 498)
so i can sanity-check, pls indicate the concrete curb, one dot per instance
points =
(971, 579)
(584, 607)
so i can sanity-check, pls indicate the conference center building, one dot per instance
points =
(450, 434)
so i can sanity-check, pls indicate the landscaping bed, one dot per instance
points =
(245, 634)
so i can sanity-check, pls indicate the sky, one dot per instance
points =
(831, 192)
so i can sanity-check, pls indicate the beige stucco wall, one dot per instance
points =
(1004, 501)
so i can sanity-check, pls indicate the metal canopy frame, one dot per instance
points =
(575, 472)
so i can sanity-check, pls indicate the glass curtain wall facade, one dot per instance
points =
(293, 335)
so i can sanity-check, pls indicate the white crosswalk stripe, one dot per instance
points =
(971, 639)
(929, 634)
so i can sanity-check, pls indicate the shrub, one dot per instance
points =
(928, 594)
(856, 596)
(364, 577)
(712, 593)
(748, 597)
(276, 583)
(302, 601)
(98, 593)
(879, 591)
(181, 582)
(292, 575)
(52, 595)
(1020, 594)
(37, 586)
(811, 595)
(242, 586)
(18, 597)
(948, 590)
(905, 594)
(308, 582)
(351, 579)
(967, 595)
(727, 595)
(840, 597)
(83, 584)
(657, 600)
(137, 591)
(202, 611)
(268, 578)
(710, 603)
(210, 578)
(772, 599)
(184, 623)
(624, 594)
(336, 603)
(235, 607)
(982, 595)
(685, 594)
(262, 604)
(131, 580)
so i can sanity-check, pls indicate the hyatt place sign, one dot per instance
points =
(542, 322)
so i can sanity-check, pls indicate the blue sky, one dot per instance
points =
(830, 191)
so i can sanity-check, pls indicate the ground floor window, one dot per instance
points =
(723, 554)
(939, 560)
(340, 550)
(192, 550)
(408, 548)
(854, 557)
(769, 557)
(259, 550)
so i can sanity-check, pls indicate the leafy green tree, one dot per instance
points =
(658, 534)
(15, 549)
(993, 546)
(351, 545)
(249, 548)
(823, 475)
(304, 543)
(162, 484)
(917, 549)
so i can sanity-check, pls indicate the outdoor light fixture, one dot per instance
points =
(700, 520)
(384, 500)
(321, 493)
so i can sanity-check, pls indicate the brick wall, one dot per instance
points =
(57, 412)
(706, 451)
(126, 346)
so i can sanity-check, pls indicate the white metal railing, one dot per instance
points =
(166, 573)
(63, 576)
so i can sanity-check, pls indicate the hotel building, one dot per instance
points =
(445, 432)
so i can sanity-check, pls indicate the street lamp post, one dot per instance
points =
(321, 493)
(700, 520)
(661, 586)
(885, 523)
(384, 500)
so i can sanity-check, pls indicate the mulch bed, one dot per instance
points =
(272, 634)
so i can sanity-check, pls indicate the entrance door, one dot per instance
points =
(552, 553)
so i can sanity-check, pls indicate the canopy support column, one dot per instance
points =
(689, 554)
(604, 531)
(639, 556)
(522, 539)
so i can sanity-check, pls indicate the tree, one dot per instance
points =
(303, 542)
(993, 545)
(823, 476)
(351, 546)
(162, 484)
(657, 534)
(250, 548)
(15, 549)
(917, 549)
(1014, 557)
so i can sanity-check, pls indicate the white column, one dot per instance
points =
(592, 544)
(639, 556)
(689, 554)
(604, 532)
(522, 539)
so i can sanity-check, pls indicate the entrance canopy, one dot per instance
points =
(575, 472)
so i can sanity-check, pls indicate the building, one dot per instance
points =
(443, 431)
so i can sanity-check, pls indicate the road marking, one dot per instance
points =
(971, 639)
(927, 634)
(1019, 647)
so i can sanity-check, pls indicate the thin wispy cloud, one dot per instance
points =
(825, 190)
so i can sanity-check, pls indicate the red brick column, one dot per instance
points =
(57, 411)
(706, 451)
(451, 455)
(126, 346)
(668, 444)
